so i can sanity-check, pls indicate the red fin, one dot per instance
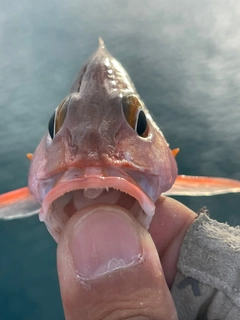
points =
(18, 204)
(175, 152)
(15, 195)
(29, 156)
(203, 186)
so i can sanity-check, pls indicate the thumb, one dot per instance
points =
(108, 268)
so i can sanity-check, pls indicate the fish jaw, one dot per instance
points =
(80, 188)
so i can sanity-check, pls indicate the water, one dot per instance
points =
(183, 57)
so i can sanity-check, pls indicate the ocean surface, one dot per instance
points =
(183, 57)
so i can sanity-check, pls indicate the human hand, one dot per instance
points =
(108, 264)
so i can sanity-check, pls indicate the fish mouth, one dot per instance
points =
(81, 188)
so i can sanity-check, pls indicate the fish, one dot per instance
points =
(102, 147)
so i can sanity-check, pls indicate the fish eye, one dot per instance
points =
(141, 123)
(56, 121)
(135, 115)
(51, 125)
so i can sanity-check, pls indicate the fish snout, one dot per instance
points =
(93, 143)
(92, 147)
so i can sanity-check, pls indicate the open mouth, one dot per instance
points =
(79, 189)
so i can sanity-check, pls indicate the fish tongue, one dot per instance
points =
(92, 193)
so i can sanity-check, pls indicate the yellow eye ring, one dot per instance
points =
(56, 121)
(135, 115)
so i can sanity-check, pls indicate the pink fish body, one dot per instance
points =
(98, 154)
(103, 147)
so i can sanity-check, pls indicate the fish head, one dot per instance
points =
(102, 147)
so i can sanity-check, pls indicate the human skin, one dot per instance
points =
(137, 287)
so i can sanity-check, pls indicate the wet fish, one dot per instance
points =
(102, 147)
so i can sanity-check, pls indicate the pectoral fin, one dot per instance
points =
(18, 204)
(202, 186)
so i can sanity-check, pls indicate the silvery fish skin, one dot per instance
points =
(102, 147)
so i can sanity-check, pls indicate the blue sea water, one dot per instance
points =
(183, 57)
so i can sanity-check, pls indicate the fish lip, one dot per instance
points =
(116, 178)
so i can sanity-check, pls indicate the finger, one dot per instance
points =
(109, 268)
(168, 228)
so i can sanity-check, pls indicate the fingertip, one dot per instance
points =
(133, 290)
